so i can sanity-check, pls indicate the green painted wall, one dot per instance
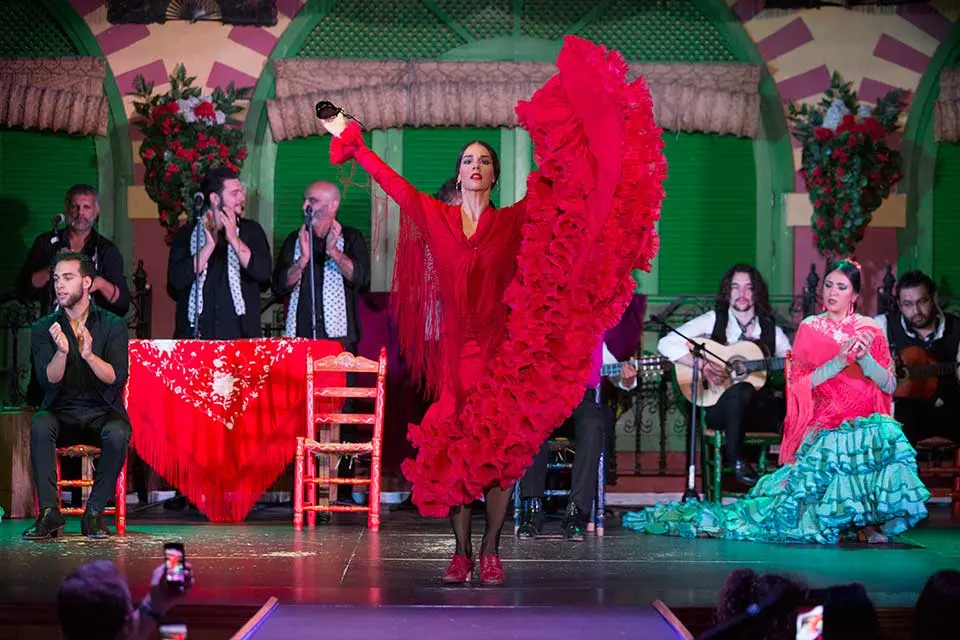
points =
(946, 218)
(709, 213)
(36, 168)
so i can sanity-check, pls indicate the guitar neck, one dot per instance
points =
(645, 366)
(765, 364)
(932, 370)
(613, 369)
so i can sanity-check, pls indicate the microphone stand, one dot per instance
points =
(308, 222)
(198, 220)
(697, 350)
(54, 241)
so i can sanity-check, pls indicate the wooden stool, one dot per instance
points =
(86, 453)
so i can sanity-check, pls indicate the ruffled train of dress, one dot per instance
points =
(590, 212)
(862, 473)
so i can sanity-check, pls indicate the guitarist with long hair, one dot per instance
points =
(742, 312)
(923, 336)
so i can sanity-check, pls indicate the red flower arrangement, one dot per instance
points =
(187, 135)
(847, 164)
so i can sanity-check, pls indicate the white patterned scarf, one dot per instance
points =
(195, 307)
(334, 298)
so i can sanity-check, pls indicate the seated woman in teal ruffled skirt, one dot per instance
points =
(848, 471)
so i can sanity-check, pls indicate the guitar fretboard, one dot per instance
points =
(643, 366)
(932, 370)
(764, 364)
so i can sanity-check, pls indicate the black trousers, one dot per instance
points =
(589, 420)
(109, 430)
(739, 407)
(923, 419)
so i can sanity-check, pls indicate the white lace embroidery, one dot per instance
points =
(211, 379)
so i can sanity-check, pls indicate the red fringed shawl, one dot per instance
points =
(560, 260)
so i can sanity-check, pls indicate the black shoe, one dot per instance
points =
(744, 473)
(531, 521)
(573, 524)
(49, 525)
(92, 526)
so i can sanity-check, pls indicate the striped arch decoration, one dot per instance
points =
(877, 51)
(802, 49)
(218, 53)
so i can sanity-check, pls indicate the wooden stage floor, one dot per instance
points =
(240, 566)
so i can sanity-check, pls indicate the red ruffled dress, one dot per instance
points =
(523, 302)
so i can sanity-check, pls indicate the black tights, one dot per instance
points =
(496, 501)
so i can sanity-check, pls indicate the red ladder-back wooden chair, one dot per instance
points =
(87, 453)
(310, 446)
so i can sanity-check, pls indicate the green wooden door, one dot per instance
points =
(709, 214)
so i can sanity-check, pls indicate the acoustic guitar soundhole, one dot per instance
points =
(738, 368)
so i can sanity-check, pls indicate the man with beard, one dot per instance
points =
(919, 322)
(219, 265)
(80, 355)
(741, 312)
(341, 264)
(110, 292)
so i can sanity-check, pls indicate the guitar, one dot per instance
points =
(748, 362)
(647, 367)
(919, 373)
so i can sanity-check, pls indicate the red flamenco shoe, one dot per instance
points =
(459, 571)
(491, 571)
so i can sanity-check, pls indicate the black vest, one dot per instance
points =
(944, 349)
(768, 333)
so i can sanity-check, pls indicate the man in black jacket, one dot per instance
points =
(918, 321)
(79, 354)
(341, 267)
(219, 265)
(109, 290)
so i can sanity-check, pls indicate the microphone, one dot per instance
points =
(307, 216)
(198, 201)
(327, 110)
(57, 220)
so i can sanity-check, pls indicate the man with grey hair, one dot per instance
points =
(109, 291)
(82, 209)
(341, 261)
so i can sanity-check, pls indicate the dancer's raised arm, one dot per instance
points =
(348, 144)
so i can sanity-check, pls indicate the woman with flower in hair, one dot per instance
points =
(504, 325)
(849, 472)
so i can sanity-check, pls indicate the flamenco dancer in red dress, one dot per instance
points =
(503, 320)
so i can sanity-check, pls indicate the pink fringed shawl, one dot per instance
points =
(848, 395)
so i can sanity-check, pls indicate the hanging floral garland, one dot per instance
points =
(187, 134)
(847, 164)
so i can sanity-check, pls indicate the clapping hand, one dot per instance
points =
(229, 222)
(863, 344)
(86, 342)
(333, 235)
(209, 227)
(59, 338)
(304, 238)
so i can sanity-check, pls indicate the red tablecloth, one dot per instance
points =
(219, 419)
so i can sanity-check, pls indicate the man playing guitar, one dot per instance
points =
(742, 312)
(920, 324)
